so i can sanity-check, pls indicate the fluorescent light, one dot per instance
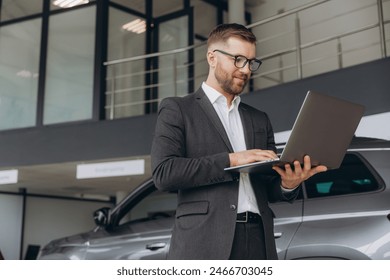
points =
(69, 3)
(24, 74)
(137, 26)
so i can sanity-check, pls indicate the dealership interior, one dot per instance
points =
(81, 83)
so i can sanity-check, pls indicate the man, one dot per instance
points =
(221, 215)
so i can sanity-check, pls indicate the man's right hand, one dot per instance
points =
(250, 156)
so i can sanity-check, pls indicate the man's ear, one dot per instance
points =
(211, 58)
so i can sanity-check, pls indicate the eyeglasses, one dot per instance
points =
(240, 61)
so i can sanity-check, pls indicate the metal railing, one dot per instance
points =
(174, 79)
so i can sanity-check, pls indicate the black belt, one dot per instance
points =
(248, 217)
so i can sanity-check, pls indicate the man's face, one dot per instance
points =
(232, 80)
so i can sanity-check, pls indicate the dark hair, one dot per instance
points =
(222, 32)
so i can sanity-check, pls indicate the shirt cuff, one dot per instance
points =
(288, 190)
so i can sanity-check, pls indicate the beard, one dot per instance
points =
(232, 84)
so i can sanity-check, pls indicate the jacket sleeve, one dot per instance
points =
(272, 183)
(171, 169)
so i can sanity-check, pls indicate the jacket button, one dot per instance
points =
(233, 207)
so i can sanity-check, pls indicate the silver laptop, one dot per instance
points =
(323, 129)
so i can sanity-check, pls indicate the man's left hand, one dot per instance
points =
(293, 178)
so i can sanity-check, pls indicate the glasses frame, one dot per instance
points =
(241, 56)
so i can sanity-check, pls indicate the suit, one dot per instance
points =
(189, 153)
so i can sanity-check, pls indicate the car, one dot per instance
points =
(339, 214)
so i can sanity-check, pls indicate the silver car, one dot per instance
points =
(340, 214)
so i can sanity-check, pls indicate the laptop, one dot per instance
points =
(323, 129)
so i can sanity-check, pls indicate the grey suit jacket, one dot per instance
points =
(189, 153)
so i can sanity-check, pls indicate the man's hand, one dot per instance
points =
(250, 156)
(292, 178)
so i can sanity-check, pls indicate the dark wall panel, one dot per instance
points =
(84, 141)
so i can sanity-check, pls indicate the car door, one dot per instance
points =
(344, 214)
(136, 240)
(288, 217)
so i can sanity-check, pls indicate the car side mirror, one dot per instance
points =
(100, 216)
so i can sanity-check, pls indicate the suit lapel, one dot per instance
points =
(209, 110)
(248, 127)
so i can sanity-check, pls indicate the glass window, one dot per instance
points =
(163, 7)
(126, 92)
(13, 9)
(205, 18)
(138, 6)
(173, 69)
(124, 43)
(160, 7)
(19, 66)
(352, 177)
(70, 64)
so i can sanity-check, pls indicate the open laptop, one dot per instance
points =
(323, 129)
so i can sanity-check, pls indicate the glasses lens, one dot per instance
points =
(240, 61)
(254, 64)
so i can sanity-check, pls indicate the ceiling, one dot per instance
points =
(60, 180)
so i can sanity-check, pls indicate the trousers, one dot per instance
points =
(248, 243)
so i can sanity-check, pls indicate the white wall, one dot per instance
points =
(45, 219)
(10, 225)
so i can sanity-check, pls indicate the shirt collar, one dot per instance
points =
(214, 95)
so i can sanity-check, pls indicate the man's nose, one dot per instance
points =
(246, 69)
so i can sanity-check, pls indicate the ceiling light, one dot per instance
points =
(137, 26)
(69, 3)
(26, 74)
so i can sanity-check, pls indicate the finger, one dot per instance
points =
(297, 168)
(321, 168)
(268, 153)
(288, 169)
(279, 170)
(264, 154)
(306, 163)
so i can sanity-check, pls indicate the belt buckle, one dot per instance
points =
(246, 218)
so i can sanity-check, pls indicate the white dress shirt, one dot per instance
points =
(231, 120)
